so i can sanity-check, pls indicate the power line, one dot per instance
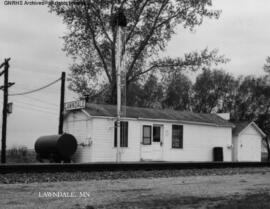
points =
(35, 105)
(39, 108)
(35, 109)
(35, 90)
(40, 111)
(24, 105)
(48, 109)
(41, 100)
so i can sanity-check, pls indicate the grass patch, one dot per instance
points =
(20, 154)
(251, 201)
(11, 178)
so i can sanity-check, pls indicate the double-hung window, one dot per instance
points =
(147, 135)
(123, 134)
(177, 136)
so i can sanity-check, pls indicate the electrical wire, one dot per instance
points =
(32, 108)
(35, 90)
(41, 100)
(53, 110)
(35, 105)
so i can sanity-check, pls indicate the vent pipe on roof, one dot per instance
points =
(225, 116)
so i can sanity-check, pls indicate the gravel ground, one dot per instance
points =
(240, 191)
(81, 176)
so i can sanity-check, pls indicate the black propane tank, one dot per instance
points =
(56, 148)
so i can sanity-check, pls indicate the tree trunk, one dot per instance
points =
(113, 94)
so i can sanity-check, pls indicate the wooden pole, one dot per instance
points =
(119, 21)
(5, 104)
(118, 81)
(62, 103)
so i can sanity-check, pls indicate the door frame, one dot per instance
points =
(153, 145)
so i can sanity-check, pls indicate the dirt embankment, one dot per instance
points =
(212, 191)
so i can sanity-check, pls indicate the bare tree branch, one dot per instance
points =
(97, 12)
(136, 21)
(145, 41)
(90, 26)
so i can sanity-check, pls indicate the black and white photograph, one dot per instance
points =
(134, 104)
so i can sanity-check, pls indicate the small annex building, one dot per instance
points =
(247, 141)
(147, 134)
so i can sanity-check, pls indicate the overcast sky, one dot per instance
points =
(30, 35)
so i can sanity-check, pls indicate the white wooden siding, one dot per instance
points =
(198, 141)
(249, 145)
(80, 127)
(103, 141)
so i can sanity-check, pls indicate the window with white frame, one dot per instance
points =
(156, 133)
(177, 136)
(123, 134)
(147, 135)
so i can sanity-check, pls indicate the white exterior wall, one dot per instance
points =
(248, 145)
(103, 141)
(198, 141)
(79, 125)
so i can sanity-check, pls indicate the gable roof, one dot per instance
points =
(240, 126)
(158, 114)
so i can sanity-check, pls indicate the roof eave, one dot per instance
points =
(166, 120)
(255, 126)
(188, 122)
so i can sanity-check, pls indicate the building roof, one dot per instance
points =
(158, 114)
(240, 126)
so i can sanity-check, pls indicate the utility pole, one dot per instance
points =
(62, 103)
(119, 21)
(118, 83)
(5, 108)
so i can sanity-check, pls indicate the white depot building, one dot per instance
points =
(159, 135)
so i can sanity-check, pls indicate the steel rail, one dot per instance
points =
(94, 167)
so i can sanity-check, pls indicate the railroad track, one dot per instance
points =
(93, 167)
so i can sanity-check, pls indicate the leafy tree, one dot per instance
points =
(245, 101)
(252, 98)
(266, 66)
(179, 92)
(252, 103)
(211, 90)
(134, 94)
(263, 121)
(91, 39)
(152, 93)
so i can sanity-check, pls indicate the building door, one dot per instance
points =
(249, 148)
(152, 143)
